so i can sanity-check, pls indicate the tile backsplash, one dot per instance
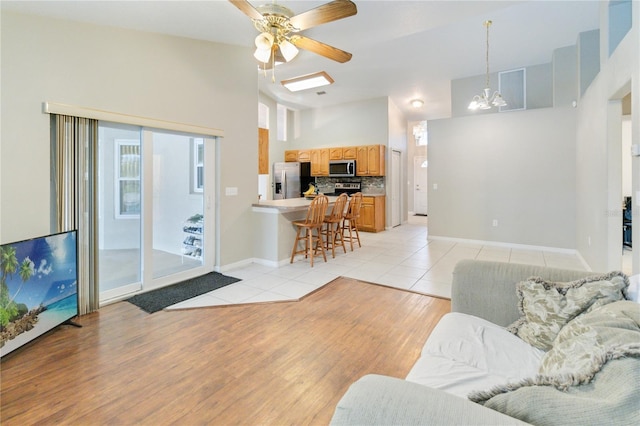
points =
(369, 185)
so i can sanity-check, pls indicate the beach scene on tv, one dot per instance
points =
(38, 287)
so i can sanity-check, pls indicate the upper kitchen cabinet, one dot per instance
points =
(291, 155)
(320, 162)
(335, 153)
(370, 160)
(302, 155)
(350, 153)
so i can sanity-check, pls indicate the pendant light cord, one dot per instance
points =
(487, 24)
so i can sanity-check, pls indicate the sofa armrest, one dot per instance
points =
(382, 400)
(487, 289)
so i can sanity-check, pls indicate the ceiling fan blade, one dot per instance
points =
(320, 48)
(246, 8)
(328, 12)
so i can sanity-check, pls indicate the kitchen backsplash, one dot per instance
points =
(369, 185)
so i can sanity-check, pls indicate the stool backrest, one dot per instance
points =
(338, 207)
(317, 210)
(354, 205)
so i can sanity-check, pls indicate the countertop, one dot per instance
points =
(293, 204)
(289, 204)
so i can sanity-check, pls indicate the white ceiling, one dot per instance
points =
(401, 49)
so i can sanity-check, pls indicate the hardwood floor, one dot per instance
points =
(278, 363)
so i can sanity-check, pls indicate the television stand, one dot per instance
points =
(69, 322)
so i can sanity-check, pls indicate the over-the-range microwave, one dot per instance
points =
(342, 168)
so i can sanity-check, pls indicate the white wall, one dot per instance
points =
(131, 72)
(515, 167)
(397, 142)
(598, 191)
(355, 123)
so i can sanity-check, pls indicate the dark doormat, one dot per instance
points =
(420, 214)
(159, 299)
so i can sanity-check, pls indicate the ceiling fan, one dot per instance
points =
(279, 27)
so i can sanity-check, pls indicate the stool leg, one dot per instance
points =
(355, 228)
(295, 244)
(309, 244)
(319, 242)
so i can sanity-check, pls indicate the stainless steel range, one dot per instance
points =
(348, 188)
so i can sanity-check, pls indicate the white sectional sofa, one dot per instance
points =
(471, 353)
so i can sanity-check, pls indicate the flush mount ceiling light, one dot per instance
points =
(308, 81)
(417, 103)
(486, 100)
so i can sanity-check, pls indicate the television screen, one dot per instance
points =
(38, 288)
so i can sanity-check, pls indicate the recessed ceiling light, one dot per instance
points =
(308, 81)
(417, 103)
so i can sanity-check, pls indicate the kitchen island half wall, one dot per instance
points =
(274, 230)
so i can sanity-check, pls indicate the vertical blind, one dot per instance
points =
(74, 175)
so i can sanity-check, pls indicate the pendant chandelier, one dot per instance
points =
(486, 100)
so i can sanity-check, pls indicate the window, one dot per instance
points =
(282, 122)
(420, 134)
(127, 190)
(197, 165)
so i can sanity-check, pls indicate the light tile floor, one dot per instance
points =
(401, 257)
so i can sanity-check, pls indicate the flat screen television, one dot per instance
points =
(38, 287)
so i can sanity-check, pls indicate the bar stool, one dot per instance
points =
(350, 220)
(313, 221)
(333, 223)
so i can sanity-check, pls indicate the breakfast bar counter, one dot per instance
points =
(274, 228)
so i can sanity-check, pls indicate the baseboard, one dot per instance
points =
(584, 262)
(505, 245)
(246, 262)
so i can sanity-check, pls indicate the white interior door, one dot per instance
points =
(420, 185)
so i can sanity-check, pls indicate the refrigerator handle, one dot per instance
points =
(283, 179)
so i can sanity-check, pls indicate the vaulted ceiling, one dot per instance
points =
(401, 49)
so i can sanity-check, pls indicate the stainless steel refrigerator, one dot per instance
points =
(290, 179)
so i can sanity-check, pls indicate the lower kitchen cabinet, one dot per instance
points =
(372, 216)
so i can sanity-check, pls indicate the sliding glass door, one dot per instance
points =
(153, 224)
(178, 204)
(119, 209)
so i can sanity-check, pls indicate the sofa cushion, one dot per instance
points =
(611, 399)
(381, 400)
(590, 376)
(546, 306)
(466, 353)
(585, 344)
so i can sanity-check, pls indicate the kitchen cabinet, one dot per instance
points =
(301, 155)
(319, 162)
(291, 155)
(335, 153)
(372, 214)
(370, 160)
(304, 155)
(349, 153)
(263, 151)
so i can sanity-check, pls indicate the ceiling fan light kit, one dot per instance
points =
(486, 100)
(279, 30)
